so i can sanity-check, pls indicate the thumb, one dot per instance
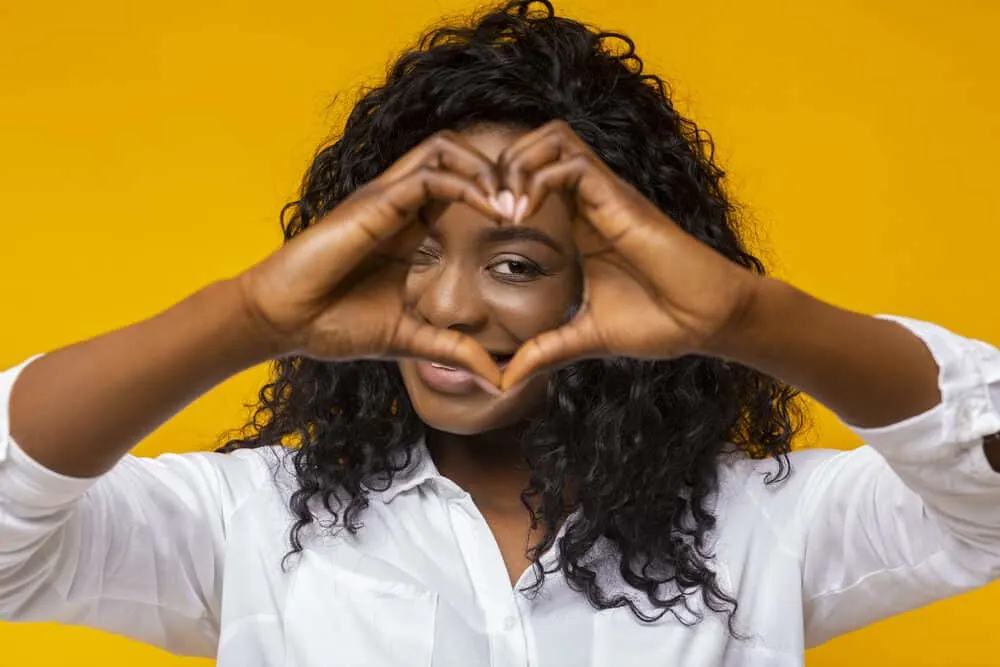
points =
(414, 339)
(573, 341)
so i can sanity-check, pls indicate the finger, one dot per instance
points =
(549, 143)
(414, 339)
(565, 175)
(618, 217)
(647, 239)
(412, 192)
(552, 349)
(376, 218)
(448, 151)
(589, 242)
(400, 250)
(400, 201)
(520, 161)
(555, 158)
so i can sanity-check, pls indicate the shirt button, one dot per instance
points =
(509, 623)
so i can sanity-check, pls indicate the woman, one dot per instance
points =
(532, 404)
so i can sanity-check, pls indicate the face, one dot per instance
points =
(499, 285)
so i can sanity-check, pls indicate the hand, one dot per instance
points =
(335, 291)
(651, 290)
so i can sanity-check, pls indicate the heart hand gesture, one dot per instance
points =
(335, 291)
(651, 289)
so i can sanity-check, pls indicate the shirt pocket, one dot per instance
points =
(336, 615)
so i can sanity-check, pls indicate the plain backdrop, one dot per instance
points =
(146, 149)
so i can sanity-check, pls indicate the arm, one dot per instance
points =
(137, 546)
(912, 517)
(79, 409)
(869, 371)
(138, 552)
(130, 545)
(877, 531)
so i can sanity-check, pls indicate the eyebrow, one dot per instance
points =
(507, 234)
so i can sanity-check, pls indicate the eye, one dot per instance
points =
(424, 256)
(516, 270)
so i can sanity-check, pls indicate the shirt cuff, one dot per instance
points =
(951, 432)
(22, 479)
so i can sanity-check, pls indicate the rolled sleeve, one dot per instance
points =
(939, 454)
(913, 516)
(23, 480)
(138, 551)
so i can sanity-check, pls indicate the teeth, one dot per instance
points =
(443, 367)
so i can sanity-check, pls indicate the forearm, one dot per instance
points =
(79, 409)
(870, 372)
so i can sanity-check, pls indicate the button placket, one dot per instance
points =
(492, 588)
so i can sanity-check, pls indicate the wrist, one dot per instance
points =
(732, 339)
(262, 338)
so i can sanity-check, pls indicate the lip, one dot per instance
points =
(456, 381)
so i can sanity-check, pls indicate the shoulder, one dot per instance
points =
(755, 489)
(226, 480)
(804, 468)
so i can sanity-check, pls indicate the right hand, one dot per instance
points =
(335, 290)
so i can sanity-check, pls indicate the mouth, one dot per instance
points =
(501, 359)
(450, 380)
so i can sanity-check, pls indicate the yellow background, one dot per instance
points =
(147, 147)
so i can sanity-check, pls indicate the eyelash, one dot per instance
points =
(426, 255)
(531, 270)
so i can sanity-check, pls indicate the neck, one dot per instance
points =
(489, 466)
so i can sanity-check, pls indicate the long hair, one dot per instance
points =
(640, 439)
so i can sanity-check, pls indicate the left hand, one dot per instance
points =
(651, 290)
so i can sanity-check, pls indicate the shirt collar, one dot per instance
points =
(420, 470)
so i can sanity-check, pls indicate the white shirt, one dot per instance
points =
(184, 551)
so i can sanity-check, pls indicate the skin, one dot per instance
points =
(344, 289)
(501, 292)
(502, 286)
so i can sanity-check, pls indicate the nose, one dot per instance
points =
(449, 297)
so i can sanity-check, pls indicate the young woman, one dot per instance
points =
(532, 405)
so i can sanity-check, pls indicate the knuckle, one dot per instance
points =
(515, 163)
(368, 190)
(442, 140)
(503, 158)
(559, 125)
(486, 172)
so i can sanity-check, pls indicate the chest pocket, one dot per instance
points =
(368, 617)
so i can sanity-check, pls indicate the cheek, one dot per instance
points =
(536, 307)
(416, 283)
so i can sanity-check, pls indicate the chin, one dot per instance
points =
(471, 412)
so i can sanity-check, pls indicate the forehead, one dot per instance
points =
(491, 140)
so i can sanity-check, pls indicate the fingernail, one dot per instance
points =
(520, 208)
(495, 203)
(506, 203)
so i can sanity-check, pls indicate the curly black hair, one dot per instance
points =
(640, 438)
